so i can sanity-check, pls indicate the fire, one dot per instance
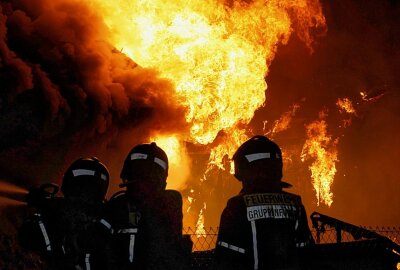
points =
(283, 123)
(345, 105)
(170, 145)
(216, 55)
(200, 230)
(190, 200)
(320, 147)
(234, 138)
(178, 159)
(371, 98)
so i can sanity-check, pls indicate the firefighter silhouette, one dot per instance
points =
(262, 227)
(62, 229)
(145, 220)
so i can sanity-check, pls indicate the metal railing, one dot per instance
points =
(204, 245)
(330, 235)
(208, 240)
(204, 241)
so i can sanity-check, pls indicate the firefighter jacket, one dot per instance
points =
(146, 235)
(63, 233)
(262, 231)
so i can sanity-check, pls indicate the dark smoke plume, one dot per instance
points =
(65, 91)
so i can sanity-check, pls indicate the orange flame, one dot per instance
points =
(178, 159)
(200, 230)
(345, 105)
(215, 54)
(283, 123)
(235, 138)
(322, 148)
(190, 200)
(366, 97)
(363, 95)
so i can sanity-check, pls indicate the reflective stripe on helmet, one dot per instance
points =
(161, 162)
(157, 160)
(257, 156)
(138, 156)
(81, 172)
(85, 172)
(232, 247)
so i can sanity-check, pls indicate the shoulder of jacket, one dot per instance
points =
(116, 199)
(295, 196)
(171, 193)
(171, 196)
(236, 200)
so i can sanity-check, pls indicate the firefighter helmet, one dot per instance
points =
(86, 175)
(145, 161)
(259, 155)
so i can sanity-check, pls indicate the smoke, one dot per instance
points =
(66, 92)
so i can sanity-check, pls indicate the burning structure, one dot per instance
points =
(95, 77)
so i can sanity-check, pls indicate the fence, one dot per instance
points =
(208, 240)
(204, 241)
(366, 256)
